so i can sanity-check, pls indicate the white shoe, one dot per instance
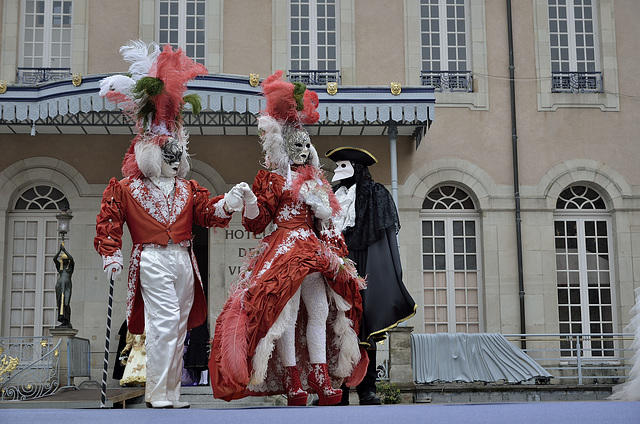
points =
(180, 405)
(160, 404)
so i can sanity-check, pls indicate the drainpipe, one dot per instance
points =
(516, 182)
(393, 158)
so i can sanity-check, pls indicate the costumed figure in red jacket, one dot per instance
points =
(290, 324)
(165, 296)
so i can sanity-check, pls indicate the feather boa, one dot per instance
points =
(233, 340)
(346, 337)
(266, 345)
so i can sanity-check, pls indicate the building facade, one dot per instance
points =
(518, 192)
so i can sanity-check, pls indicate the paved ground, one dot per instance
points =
(600, 412)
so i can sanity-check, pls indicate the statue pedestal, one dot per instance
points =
(64, 334)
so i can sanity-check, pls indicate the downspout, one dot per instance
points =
(516, 182)
(393, 158)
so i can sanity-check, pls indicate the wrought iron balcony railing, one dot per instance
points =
(29, 367)
(448, 80)
(576, 82)
(38, 75)
(314, 77)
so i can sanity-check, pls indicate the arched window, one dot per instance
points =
(450, 262)
(31, 271)
(583, 270)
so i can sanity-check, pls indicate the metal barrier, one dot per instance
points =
(40, 75)
(382, 359)
(29, 367)
(79, 365)
(314, 77)
(574, 358)
(461, 81)
(576, 82)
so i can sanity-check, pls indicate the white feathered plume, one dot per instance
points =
(120, 83)
(138, 53)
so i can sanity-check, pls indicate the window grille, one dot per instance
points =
(573, 40)
(450, 262)
(584, 273)
(182, 23)
(31, 271)
(46, 46)
(444, 38)
(313, 40)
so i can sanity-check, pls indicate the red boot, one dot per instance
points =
(291, 380)
(319, 380)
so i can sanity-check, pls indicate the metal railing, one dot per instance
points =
(573, 358)
(38, 75)
(576, 82)
(29, 367)
(382, 360)
(314, 77)
(461, 81)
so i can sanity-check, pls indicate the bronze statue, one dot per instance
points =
(64, 264)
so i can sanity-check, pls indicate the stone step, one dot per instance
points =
(201, 397)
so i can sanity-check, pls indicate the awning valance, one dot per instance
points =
(229, 106)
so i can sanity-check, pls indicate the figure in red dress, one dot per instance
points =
(290, 324)
(165, 295)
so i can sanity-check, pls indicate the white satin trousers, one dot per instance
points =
(167, 287)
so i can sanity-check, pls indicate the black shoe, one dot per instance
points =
(370, 398)
(316, 402)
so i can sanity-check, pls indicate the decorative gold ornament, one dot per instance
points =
(396, 88)
(7, 364)
(332, 88)
(254, 80)
(55, 352)
(76, 79)
(44, 343)
(3, 87)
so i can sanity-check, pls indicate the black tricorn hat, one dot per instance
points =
(353, 154)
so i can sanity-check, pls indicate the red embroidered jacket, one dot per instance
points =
(151, 219)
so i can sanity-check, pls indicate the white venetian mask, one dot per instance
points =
(344, 170)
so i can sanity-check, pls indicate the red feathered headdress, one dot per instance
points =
(153, 96)
(289, 103)
(289, 107)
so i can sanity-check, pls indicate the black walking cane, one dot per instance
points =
(106, 345)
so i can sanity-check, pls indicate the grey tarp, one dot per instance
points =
(487, 357)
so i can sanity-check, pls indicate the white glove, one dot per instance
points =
(113, 269)
(317, 199)
(320, 210)
(233, 199)
(250, 201)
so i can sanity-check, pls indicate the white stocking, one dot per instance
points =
(286, 344)
(314, 296)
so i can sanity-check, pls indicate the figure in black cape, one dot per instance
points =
(369, 222)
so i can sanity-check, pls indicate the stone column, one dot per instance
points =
(63, 334)
(400, 371)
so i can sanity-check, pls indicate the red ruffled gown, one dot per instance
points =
(244, 361)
